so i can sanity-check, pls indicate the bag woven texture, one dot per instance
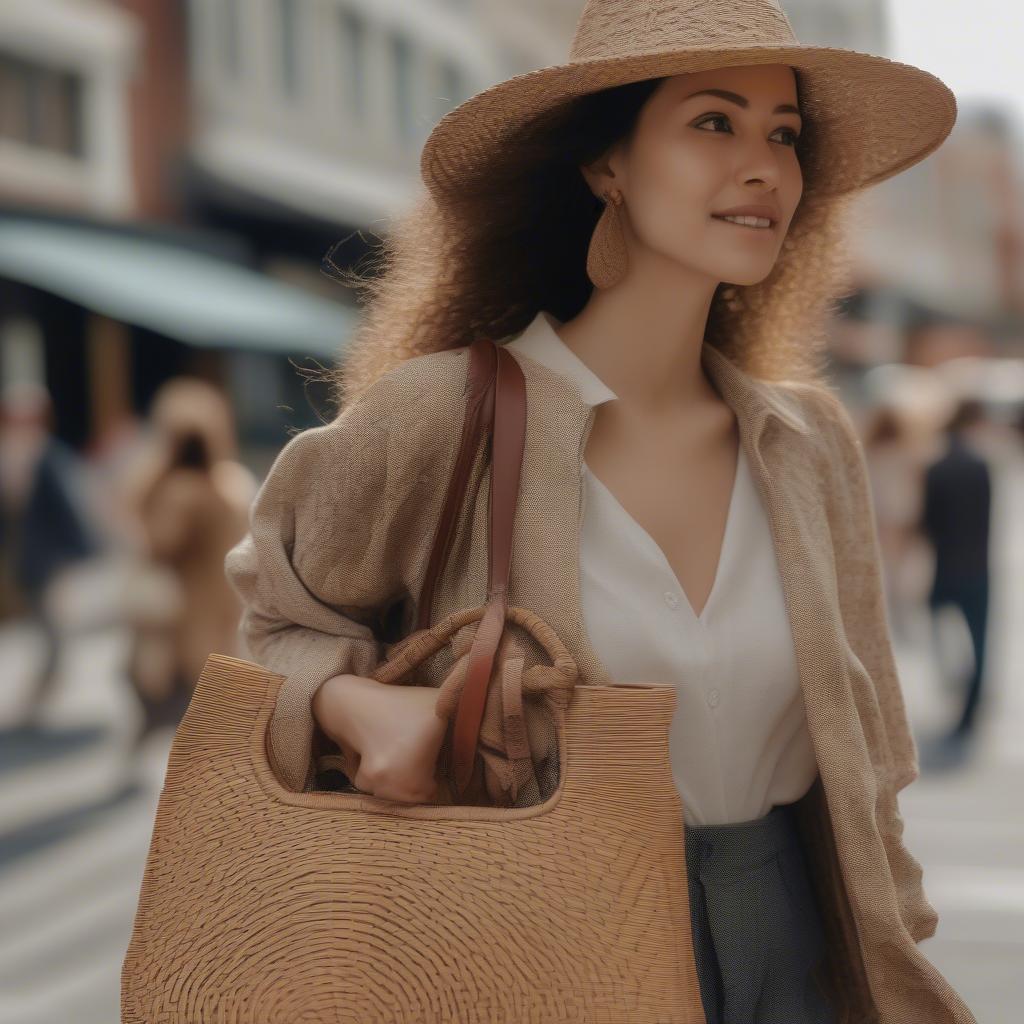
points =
(260, 904)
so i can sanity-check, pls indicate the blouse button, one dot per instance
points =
(670, 599)
(713, 698)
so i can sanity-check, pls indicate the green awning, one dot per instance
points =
(190, 296)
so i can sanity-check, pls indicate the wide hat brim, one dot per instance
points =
(873, 117)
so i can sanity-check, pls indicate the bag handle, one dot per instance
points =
(479, 411)
(426, 643)
(495, 402)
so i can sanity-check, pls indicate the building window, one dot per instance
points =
(402, 63)
(41, 106)
(353, 60)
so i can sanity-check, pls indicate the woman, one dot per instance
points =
(189, 498)
(693, 503)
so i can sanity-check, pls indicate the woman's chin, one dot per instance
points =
(744, 278)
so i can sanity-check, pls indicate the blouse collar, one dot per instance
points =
(541, 342)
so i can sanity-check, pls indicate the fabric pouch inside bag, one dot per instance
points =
(518, 762)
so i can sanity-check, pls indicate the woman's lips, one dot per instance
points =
(748, 227)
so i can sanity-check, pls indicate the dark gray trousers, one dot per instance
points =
(757, 933)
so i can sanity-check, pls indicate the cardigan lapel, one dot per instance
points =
(752, 400)
(789, 481)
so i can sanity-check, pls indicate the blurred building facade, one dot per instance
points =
(154, 150)
(322, 107)
(952, 227)
(848, 24)
(941, 241)
(309, 117)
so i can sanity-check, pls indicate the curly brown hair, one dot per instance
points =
(485, 263)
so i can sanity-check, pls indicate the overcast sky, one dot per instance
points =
(974, 46)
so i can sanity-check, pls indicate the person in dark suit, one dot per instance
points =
(956, 517)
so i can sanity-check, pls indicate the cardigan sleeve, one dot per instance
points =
(308, 575)
(339, 534)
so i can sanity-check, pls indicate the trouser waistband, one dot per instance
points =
(774, 831)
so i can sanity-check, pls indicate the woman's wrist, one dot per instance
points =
(332, 708)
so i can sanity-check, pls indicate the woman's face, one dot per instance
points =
(691, 157)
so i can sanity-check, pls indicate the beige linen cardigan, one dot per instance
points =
(340, 534)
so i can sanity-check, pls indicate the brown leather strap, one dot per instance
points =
(495, 402)
(480, 379)
(508, 438)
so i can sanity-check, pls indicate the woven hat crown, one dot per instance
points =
(621, 28)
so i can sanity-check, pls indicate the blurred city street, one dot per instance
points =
(78, 819)
(967, 826)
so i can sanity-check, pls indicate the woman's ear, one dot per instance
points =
(600, 174)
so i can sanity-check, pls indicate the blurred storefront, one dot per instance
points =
(102, 314)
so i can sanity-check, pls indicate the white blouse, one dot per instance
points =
(738, 741)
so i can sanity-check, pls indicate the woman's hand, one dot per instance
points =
(389, 732)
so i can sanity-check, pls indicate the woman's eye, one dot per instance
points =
(713, 117)
(792, 134)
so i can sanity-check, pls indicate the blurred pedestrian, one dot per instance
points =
(897, 482)
(956, 518)
(44, 524)
(190, 499)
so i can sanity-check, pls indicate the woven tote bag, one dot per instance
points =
(260, 905)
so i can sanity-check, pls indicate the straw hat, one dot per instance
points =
(872, 117)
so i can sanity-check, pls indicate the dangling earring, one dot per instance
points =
(608, 257)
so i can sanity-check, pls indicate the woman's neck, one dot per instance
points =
(646, 346)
